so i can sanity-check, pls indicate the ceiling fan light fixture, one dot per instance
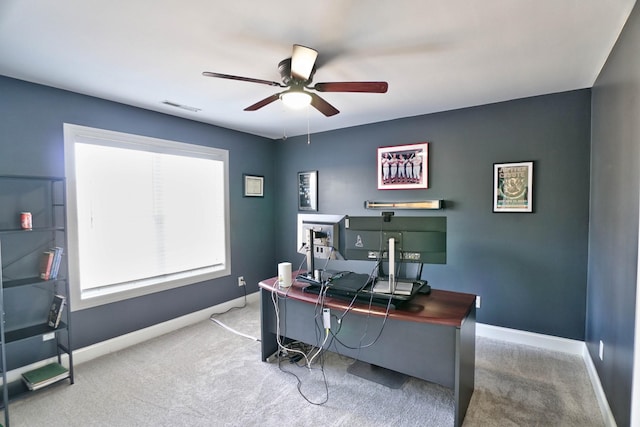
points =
(296, 99)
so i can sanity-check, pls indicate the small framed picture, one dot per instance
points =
(308, 191)
(253, 185)
(403, 167)
(513, 187)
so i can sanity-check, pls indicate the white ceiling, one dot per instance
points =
(436, 55)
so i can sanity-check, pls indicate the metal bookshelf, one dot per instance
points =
(26, 339)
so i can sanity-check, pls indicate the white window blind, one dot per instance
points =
(148, 215)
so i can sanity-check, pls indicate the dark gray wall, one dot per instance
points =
(529, 269)
(31, 119)
(613, 242)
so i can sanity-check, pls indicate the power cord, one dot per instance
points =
(297, 354)
(294, 355)
(299, 383)
(244, 304)
(228, 328)
(281, 346)
(340, 319)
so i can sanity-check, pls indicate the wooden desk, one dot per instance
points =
(431, 337)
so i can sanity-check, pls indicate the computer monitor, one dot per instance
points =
(396, 240)
(319, 238)
(418, 239)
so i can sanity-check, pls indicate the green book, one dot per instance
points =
(45, 375)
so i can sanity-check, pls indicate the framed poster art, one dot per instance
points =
(513, 187)
(253, 185)
(403, 167)
(308, 191)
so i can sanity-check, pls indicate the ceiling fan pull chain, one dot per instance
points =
(308, 129)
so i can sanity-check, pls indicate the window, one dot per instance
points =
(144, 214)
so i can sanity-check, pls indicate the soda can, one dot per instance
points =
(25, 221)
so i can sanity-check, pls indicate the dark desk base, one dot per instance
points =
(438, 353)
(377, 374)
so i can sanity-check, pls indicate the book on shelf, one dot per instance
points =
(55, 312)
(57, 259)
(50, 263)
(45, 375)
(45, 265)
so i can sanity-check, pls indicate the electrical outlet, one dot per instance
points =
(601, 350)
(241, 281)
(477, 301)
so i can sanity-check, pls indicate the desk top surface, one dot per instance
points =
(439, 307)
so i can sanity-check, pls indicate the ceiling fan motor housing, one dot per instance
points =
(284, 68)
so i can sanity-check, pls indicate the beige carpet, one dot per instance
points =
(205, 375)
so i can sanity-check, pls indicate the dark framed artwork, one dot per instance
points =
(403, 167)
(308, 191)
(513, 187)
(253, 185)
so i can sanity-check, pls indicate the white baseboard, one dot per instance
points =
(598, 390)
(102, 348)
(564, 345)
(547, 342)
(121, 342)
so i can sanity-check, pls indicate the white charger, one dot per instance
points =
(326, 318)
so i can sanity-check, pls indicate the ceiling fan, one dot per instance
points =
(297, 74)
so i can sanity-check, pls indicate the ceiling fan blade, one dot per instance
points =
(268, 100)
(323, 106)
(303, 60)
(368, 87)
(242, 79)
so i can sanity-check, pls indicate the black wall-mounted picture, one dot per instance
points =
(308, 191)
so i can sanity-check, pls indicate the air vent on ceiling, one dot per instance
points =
(184, 107)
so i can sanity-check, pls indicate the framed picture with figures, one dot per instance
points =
(403, 167)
